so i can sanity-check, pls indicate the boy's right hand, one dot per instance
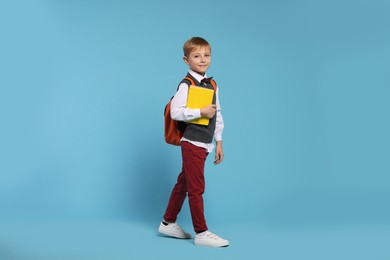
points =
(208, 111)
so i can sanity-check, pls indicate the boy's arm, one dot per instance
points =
(218, 133)
(179, 112)
(219, 126)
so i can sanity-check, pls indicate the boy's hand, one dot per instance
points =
(218, 153)
(208, 111)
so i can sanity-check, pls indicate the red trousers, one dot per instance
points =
(191, 180)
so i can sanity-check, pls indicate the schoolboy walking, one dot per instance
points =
(196, 144)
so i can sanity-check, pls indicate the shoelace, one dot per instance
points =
(176, 226)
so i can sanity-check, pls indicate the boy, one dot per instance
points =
(196, 144)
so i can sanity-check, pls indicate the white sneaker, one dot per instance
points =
(209, 239)
(173, 230)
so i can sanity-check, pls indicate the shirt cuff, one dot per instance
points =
(197, 112)
(217, 137)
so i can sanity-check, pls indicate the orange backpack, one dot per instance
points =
(173, 130)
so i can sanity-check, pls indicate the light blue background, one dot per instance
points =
(304, 88)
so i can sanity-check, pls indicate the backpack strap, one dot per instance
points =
(214, 84)
(190, 80)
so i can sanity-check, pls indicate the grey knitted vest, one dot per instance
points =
(200, 133)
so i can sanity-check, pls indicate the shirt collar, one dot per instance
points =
(196, 75)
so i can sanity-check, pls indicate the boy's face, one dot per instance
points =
(199, 59)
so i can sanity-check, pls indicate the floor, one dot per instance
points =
(41, 240)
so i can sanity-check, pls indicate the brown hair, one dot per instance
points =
(194, 43)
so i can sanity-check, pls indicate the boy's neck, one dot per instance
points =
(202, 74)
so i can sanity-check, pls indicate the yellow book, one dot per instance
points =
(199, 97)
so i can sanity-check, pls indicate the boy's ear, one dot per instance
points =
(185, 59)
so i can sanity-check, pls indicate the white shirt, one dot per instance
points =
(179, 112)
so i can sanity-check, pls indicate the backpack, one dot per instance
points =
(173, 130)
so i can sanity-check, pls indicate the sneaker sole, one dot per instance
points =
(200, 244)
(166, 234)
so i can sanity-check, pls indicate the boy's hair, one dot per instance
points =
(193, 43)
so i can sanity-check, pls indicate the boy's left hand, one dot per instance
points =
(218, 153)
